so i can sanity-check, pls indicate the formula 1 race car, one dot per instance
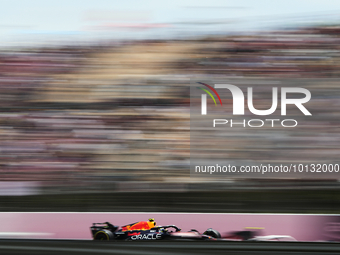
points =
(106, 232)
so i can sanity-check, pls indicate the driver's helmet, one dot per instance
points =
(153, 221)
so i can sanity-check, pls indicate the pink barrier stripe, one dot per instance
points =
(76, 225)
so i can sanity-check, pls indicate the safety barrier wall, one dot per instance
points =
(75, 225)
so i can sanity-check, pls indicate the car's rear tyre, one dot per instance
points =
(103, 235)
(213, 233)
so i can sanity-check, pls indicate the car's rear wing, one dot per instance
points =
(103, 225)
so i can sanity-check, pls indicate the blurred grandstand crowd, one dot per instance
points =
(109, 116)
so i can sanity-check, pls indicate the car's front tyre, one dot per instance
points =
(212, 232)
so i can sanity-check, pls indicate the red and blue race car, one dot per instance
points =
(147, 230)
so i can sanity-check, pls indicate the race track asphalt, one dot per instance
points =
(54, 247)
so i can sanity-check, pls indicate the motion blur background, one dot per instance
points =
(95, 110)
